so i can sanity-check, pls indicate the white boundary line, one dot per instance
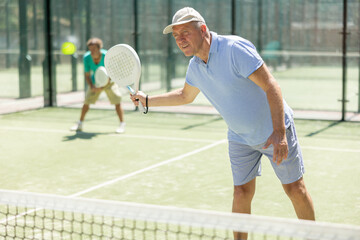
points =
(110, 134)
(331, 149)
(161, 138)
(171, 160)
(165, 138)
(129, 175)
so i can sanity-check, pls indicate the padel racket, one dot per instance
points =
(101, 77)
(124, 68)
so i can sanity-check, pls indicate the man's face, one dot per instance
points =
(188, 38)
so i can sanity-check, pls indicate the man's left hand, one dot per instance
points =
(278, 140)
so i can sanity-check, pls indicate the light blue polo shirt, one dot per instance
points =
(224, 82)
(90, 66)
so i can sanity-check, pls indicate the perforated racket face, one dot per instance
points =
(101, 77)
(123, 65)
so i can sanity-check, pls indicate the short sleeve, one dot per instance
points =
(245, 58)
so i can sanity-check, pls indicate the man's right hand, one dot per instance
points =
(139, 96)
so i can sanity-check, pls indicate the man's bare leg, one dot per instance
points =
(300, 199)
(243, 196)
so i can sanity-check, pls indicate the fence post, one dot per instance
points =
(359, 60)
(7, 22)
(233, 17)
(260, 30)
(169, 59)
(73, 56)
(344, 63)
(48, 63)
(24, 58)
(35, 32)
(88, 31)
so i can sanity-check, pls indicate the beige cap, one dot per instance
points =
(184, 15)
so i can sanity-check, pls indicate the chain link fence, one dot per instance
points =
(300, 40)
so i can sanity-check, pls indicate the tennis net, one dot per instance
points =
(42, 216)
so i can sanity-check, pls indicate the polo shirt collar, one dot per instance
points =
(214, 42)
(213, 47)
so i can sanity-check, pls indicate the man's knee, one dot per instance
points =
(296, 189)
(245, 191)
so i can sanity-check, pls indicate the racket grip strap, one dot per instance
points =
(146, 105)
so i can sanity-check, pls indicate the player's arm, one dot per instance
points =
(264, 79)
(88, 79)
(181, 96)
(89, 82)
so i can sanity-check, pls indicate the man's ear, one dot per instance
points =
(203, 28)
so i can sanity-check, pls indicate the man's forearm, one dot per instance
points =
(275, 100)
(172, 98)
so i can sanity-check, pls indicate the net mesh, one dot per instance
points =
(39, 216)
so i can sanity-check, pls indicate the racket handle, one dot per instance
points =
(141, 107)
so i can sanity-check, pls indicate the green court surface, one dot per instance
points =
(170, 159)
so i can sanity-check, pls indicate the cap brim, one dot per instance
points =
(168, 29)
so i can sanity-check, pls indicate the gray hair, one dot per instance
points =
(198, 24)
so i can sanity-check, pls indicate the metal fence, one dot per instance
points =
(312, 46)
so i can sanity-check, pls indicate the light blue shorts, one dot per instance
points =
(246, 164)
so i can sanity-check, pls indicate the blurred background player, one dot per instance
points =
(93, 59)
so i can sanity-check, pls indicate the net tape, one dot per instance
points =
(145, 213)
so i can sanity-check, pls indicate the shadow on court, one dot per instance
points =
(83, 135)
(323, 129)
(202, 124)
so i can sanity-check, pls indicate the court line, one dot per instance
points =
(126, 176)
(108, 134)
(171, 160)
(331, 149)
(163, 138)
(129, 175)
